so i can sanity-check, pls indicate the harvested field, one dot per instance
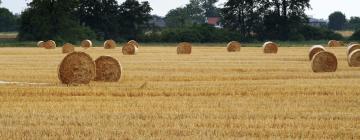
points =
(210, 94)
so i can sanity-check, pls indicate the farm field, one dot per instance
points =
(210, 94)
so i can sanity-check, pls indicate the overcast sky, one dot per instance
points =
(320, 8)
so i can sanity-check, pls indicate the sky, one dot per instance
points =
(320, 8)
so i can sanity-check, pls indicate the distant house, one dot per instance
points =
(214, 21)
(317, 22)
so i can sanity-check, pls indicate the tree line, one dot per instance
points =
(8, 21)
(74, 20)
(242, 20)
(249, 20)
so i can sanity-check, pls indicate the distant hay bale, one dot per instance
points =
(233, 46)
(40, 44)
(324, 62)
(352, 48)
(68, 48)
(184, 48)
(136, 44)
(109, 44)
(49, 44)
(129, 49)
(270, 47)
(354, 58)
(108, 69)
(76, 68)
(334, 43)
(314, 50)
(86, 44)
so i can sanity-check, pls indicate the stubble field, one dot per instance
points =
(211, 94)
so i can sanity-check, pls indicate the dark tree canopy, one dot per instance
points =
(268, 19)
(8, 21)
(209, 8)
(134, 18)
(354, 23)
(75, 20)
(194, 12)
(337, 21)
(52, 19)
(100, 16)
(189, 15)
(113, 21)
(243, 15)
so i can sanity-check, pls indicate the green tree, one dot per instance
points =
(189, 15)
(337, 21)
(243, 15)
(283, 19)
(209, 7)
(52, 19)
(100, 16)
(134, 18)
(8, 21)
(355, 36)
(354, 23)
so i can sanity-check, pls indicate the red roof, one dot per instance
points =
(213, 20)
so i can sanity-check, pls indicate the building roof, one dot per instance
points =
(213, 20)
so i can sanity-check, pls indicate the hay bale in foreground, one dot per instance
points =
(86, 44)
(68, 48)
(109, 44)
(314, 50)
(270, 47)
(108, 69)
(324, 62)
(233, 46)
(354, 58)
(136, 44)
(129, 49)
(40, 44)
(352, 48)
(50, 44)
(76, 68)
(334, 43)
(184, 48)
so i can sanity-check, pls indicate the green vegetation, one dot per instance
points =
(245, 21)
(8, 21)
(71, 21)
(355, 36)
(337, 21)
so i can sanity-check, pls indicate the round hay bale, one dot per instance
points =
(354, 58)
(184, 48)
(40, 44)
(314, 50)
(270, 47)
(129, 49)
(136, 44)
(109, 44)
(233, 46)
(352, 48)
(49, 44)
(324, 62)
(76, 68)
(68, 48)
(334, 43)
(86, 44)
(108, 69)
